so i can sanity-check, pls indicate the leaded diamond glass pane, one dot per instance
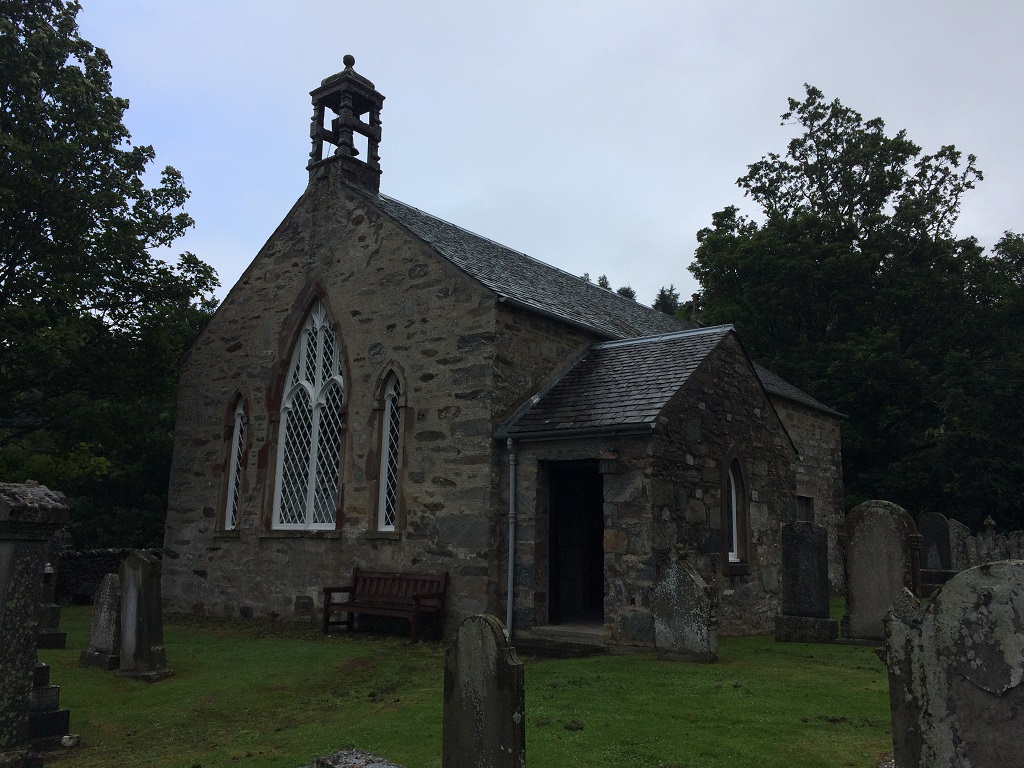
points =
(236, 468)
(298, 433)
(325, 497)
(309, 367)
(389, 479)
(327, 367)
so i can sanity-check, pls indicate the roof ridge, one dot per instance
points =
(664, 336)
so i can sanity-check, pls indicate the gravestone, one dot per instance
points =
(143, 655)
(959, 535)
(29, 515)
(105, 634)
(992, 546)
(48, 631)
(956, 669)
(878, 565)
(936, 554)
(805, 615)
(685, 611)
(484, 721)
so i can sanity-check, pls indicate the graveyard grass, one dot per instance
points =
(252, 693)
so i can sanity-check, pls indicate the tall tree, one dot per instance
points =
(853, 286)
(667, 300)
(91, 320)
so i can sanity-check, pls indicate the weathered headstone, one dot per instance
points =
(955, 671)
(484, 721)
(143, 655)
(29, 515)
(878, 565)
(992, 546)
(105, 634)
(805, 615)
(959, 535)
(685, 610)
(935, 549)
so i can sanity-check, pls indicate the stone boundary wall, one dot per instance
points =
(91, 565)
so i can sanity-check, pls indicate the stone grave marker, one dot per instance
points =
(685, 611)
(878, 565)
(956, 669)
(143, 655)
(959, 535)
(805, 615)
(29, 515)
(484, 721)
(936, 554)
(105, 633)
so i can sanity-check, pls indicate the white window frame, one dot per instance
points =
(314, 374)
(390, 455)
(733, 516)
(235, 468)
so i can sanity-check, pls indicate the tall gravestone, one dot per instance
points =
(104, 649)
(959, 535)
(956, 669)
(143, 655)
(879, 565)
(484, 721)
(29, 515)
(936, 554)
(685, 610)
(805, 614)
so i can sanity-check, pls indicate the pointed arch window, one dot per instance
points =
(391, 439)
(235, 467)
(735, 517)
(309, 455)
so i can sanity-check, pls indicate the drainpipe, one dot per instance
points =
(511, 531)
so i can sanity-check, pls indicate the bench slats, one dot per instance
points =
(406, 595)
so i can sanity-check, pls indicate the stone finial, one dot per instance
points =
(349, 61)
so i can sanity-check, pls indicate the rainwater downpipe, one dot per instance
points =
(511, 532)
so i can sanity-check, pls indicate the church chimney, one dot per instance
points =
(354, 130)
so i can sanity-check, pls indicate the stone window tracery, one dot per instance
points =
(312, 428)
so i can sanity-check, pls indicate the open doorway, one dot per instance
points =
(576, 543)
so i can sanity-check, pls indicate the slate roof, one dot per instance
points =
(776, 385)
(532, 283)
(545, 289)
(617, 384)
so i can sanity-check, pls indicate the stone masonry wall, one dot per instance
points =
(396, 306)
(721, 414)
(819, 475)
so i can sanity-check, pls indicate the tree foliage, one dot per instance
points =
(92, 322)
(667, 300)
(853, 285)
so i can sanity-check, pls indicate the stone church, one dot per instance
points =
(384, 389)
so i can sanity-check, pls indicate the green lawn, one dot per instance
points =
(260, 694)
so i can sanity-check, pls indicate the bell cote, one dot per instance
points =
(346, 117)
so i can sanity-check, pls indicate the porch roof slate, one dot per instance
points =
(617, 384)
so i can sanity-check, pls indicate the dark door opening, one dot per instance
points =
(576, 553)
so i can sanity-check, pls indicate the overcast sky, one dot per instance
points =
(597, 136)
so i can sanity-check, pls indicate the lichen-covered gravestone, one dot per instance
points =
(956, 669)
(29, 515)
(878, 565)
(484, 721)
(685, 611)
(105, 634)
(143, 655)
(805, 616)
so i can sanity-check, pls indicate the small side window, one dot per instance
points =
(235, 468)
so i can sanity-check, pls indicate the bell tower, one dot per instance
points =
(354, 131)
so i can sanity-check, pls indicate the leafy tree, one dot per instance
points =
(91, 321)
(626, 292)
(667, 300)
(853, 286)
(603, 282)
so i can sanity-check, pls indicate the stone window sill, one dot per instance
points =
(232, 534)
(383, 535)
(300, 534)
(736, 569)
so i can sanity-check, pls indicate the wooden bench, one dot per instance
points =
(405, 595)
